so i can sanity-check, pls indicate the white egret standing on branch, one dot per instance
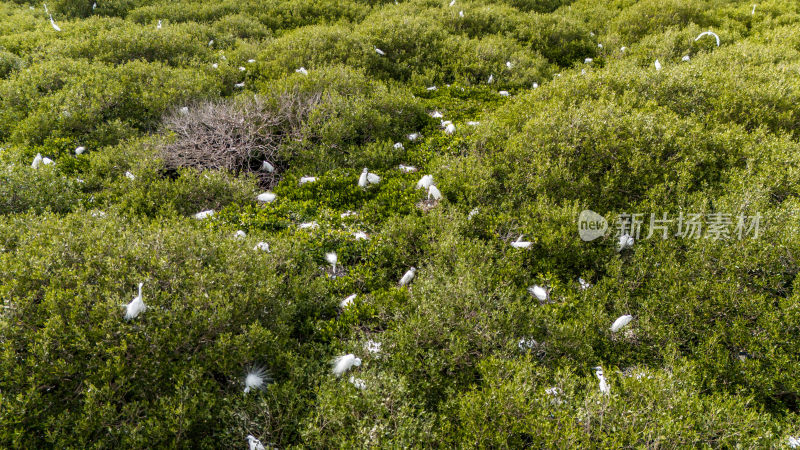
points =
(658, 65)
(433, 192)
(343, 363)
(304, 180)
(80, 150)
(519, 243)
(621, 322)
(379, 51)
(204, 214)
(347, 301)
(540, 293)
(266, 197)
(256, 378)
(332, 259)
(302, 71)
(36, 161)
(408, 276)
(267, 167)
(425, 182)
(136, 306)
(604, 387)
(255, 444)
(707, 33)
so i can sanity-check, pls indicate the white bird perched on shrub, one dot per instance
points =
(267, 167)
(433, 192)
(159, 25)
(255, 444)
(308, 225)
(452, 3)
(587, 60)
(379, 51)
(211, 42)
(262, 246)
(358, 383)
(519, 243)
(685, 58)
(239, 85)
(625, 241)
(332, 259)
(130, 176)
(204, 214)
(604, 387)
(251, 61)
(215, 66)
(540, 293)
(793, 441)
(267, 197)
(413, 136)
(753, 12)
(47, 161)
(242, 69)
(508, 64)
(256, 378)
(240, 234)
(584, 284)
(304, 180)
(368, 178)
(136, 306)
(53, 23)
(408, 276)
(302, 71)
(431, 88)
(621, 322)
(535, 85)
(450, 129)
(373, 346)
(623, 48)
(36, 161)
(503, 93)
(80, 150)
(398, 146)
(658, 65)
(407, 169)
(343, 363)
(347, 301)
(461, 13)
(491, 79)
(707, 33)
(436, 115)
(360, 235)
(425, 182)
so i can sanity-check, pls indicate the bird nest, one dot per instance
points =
(427, 205)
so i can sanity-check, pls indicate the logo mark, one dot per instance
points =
(591, 225)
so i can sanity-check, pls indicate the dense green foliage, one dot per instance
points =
(469, 358)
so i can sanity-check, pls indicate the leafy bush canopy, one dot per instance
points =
(117, 130)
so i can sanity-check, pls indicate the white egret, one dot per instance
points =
(753, 12)
(461, 14)
(136, 306)
(358, 383)
(304, 180)
(210, 43)
(685, 58)
(372, 346)
(80, 150)
(452, 3)
(239, 85)
(588, 60)
(204, 214)
(793, 441)
(347, 301)
(262, 246)
(308, 226)
(584, 284)
(491, 79)
(413, 136)
(433, 192)
(540, 293)
(267, 167)
(621, 322)
(159, 25)
(47, 161)
(367, 178)
(255, 444)
(625, 241)
(436, 115)
(450, 129)
(266, 197)
(408, 276)
(707, 33)
(302, 71)
(379, 51)
(503, 93)
(53, 23)
(256, 378)
(425, 182)
(398, 146)
(473, 123)
(348, 214)
(94, 6)
(431, 88)
(215, 66)
(473, 212)
(535, 85)
(407, 169)
(508, 64)
(360, 235)
(519, 243)
(343, 363)
(332, 259)
(130, 176)
(604, 387)
(185, 110)
(242, 69)
(658, 65)
(445, 123)
(599, 45)
(240, 234)
(36, 161)
(251, 61)
(623, 48)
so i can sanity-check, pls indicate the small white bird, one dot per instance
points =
(358, 383)
(588, 60)
(80, 150)
(360, 235)
(255, 444)
(793, 441)
(491, 79)
(535, 85)
(621, 322)
(343, 363)
(251, 61)
(461, 14)
(473, 123)
(431, 88)
(473, 212)
(407, 169)
(398, 146)
(136, 306)
(304, 180)
(241, 69)
(266, 197)
(753, 12)
(707, 33)
(658, 65)
(436, 115)
(240, 234)
(508, 64)
(425, 182)
(408, 276)
(519, 243)
(625, 241)
(36, 161)
(308, 226)
(185, 110)
(372, 347)
(130, 176)
(413, 136)
(159, 25)
(623, 48)
(348, 214)
(332, 259)
(379, 51)
(204, 214)
(47, 161)
(367, 178)
(599, 45)
(450, 129)
(267, 167)
(239, 85)
(452, 3)
(94, 6)
(604, 387)
(503, 93)
(685, 58)
(540, 293)
(302, 71)
(347, 301)
(433, 192)
(256, 378)
(210, 43)
(262, 246)
(53, 23)
(584, 284)
(215, 66)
